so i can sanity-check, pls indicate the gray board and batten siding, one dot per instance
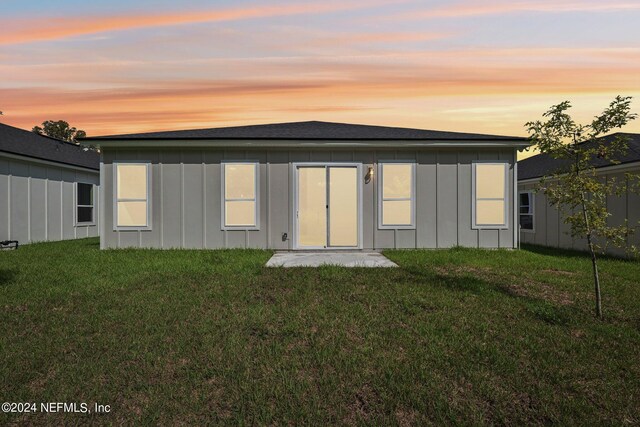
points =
(186, 198)
(550, 229)
(38, 179)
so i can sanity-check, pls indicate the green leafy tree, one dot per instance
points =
(575, 188)
(59, 130)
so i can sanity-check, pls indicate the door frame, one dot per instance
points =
(294, 205)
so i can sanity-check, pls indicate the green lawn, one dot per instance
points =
(188, 337)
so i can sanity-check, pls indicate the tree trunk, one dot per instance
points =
(596, 278)
(594, 261)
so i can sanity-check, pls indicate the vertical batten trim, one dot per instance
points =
(29, 203)
(267, 201)
(101, 224)
(457, 198)
(473, 201)
(98, 187)
(181, 199)
(114, 199)
(46, 205)
(415, 199)
(9, 202)
(437, 158)
(74, 198)
(204, 201)
(61, 207)
(293, 233)
(161, 205)
(514, 204)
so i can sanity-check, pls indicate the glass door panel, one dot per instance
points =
(312, 207)
(343, 206)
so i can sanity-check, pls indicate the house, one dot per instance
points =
(308, 185)
(48, 188)
(541, 224)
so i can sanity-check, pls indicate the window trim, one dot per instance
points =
(532, 208)
(412, 198)
(223, 199)
(115, 200)
(474, 225)
(77, 223)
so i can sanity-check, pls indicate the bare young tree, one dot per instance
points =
(575, 189)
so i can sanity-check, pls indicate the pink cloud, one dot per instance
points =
(501, 7)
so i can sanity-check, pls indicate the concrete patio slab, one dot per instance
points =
(341, 259)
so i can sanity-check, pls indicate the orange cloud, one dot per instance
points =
(412, 105)
(30, 30)
(381, 37)
(597, 67)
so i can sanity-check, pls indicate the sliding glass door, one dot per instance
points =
(328, 206)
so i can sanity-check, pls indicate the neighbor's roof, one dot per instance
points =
(305, 131)
(544, 164)
(24, 143)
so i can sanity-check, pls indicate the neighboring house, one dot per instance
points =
(541, 224)
(48, 188)
(308, 185)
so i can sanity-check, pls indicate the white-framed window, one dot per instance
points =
(240, 198)
(490, 202)
(132, 196)
(526, 203)
(84, 204)
(396, 195)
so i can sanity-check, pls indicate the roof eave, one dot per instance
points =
(301, 143)
(28, 157)
(619, 167)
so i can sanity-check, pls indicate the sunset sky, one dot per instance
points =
(474, 66)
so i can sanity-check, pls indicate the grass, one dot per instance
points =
(193, 337)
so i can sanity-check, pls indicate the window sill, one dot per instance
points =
(85, 224)
(490, 227)
(240, 228)
(396, 227)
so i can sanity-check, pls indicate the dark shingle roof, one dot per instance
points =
(312, 130)
(19, 141)
(543, 164)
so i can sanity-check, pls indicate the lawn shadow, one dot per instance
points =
(7, 276)
(470, 284)
(569, 253)
(542, 309)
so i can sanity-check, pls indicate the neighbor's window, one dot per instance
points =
(84, 203)
(526, 210)
(397, 195)
(490, 191)
(240, 201)
(132, 195)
